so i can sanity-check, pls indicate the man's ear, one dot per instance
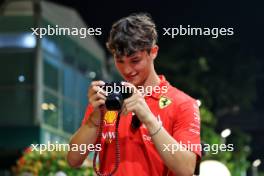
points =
(154, 51)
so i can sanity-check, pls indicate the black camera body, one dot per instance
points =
(117, 93)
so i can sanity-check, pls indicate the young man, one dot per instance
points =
(170, 119)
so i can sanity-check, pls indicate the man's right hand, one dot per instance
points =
(87, 134)
(96, 97)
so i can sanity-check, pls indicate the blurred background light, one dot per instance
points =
(256, 163)
(225, 133)
(21, 78)
(45, 106)
(21, 40)
(213, 168)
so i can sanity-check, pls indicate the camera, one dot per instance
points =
(117, 93)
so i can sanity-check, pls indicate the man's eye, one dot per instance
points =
(135, 61)
(119, 61)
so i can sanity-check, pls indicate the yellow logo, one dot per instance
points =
(110, 117)
(164, 102)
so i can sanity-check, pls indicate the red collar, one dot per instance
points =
(163, 82)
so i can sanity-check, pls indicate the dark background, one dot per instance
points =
(245, 17)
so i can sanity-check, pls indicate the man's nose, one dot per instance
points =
(128, 70)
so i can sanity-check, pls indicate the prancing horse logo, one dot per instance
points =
(164, 102)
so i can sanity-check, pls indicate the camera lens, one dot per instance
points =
(116, 95)
(114, 101)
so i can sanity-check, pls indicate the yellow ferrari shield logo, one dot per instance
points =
(164, 102)
(110, 117)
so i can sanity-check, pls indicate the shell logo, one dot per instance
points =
(110, 117)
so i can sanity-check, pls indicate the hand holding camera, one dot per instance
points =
(119, 96)
(137, 104)
(97, 98)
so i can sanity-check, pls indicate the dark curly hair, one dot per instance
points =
(137, 32)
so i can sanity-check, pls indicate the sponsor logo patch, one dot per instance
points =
(110, 117)
(164, 102)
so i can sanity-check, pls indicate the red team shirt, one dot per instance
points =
(179, 115)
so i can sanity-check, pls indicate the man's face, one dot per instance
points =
(135, 68)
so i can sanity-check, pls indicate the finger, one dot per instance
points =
(101, 91)
(128, 107)
(97, 97)
(124, 110)
(98, 103)
(134, 97)
(96, 89)
(131, 107)
(95, 86)
(130, 104)
(92, 90)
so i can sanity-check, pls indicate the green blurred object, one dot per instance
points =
(49, 163)
(236, 160)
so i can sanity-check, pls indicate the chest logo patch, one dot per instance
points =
(164, 102)
(110, 117)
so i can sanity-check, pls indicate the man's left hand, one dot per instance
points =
(137, 104)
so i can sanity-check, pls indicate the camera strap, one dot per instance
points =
(98, 141)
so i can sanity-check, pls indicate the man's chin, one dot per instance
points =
(136, 82)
